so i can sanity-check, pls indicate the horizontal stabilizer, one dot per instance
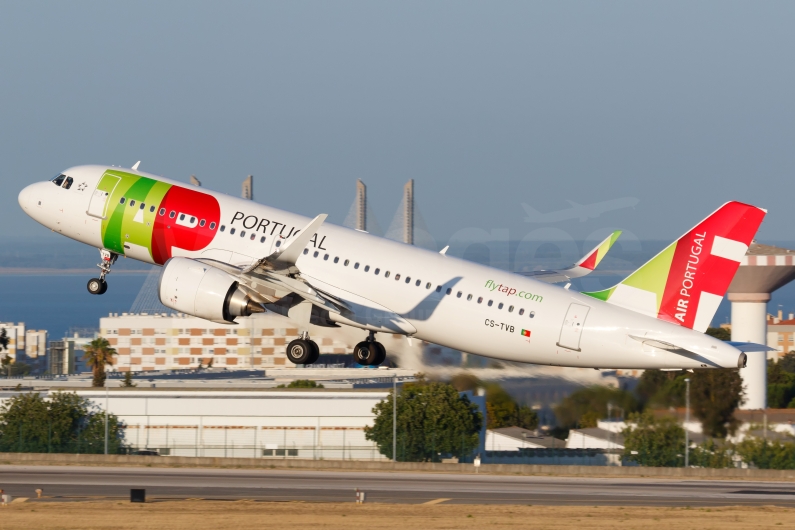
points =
(585, 266)
(750, 347)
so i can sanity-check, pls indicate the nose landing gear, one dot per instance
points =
(99, 285)
(369, 352)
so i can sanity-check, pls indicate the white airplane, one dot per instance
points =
(225, 257)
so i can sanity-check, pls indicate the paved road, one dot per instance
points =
(76, 483)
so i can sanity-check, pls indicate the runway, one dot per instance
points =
(63, 483)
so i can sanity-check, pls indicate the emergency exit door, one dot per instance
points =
(573, 324)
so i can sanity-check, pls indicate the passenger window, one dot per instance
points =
(59, 180)
(438, 288)
(243, 233)
(132, 203)
(499, 306)
(377, 271)
(223, 227)
(428, 285)
(262, 240)
(521, 311)
(325, 258)
(490, 303)
(68, 183)
(347, 262)
(151, 209)
(316, 254)
(278, 243)
(181, 216)
(417, 283)
(121, 201)
(336, 260)
(449, 290)
(531, 314)
(480, 299)
(231, 230)
(306, 250)
(253, 236)
(510, 309)
(212, 226)
(173, 214)
(201, 223)
(366, 268)
(458, 295)
(386, 274)
(408, 279)
(397, 277)
(192, 220)
(356, 265)
(469, 297)
(162, 211)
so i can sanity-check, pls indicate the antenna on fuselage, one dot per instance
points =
(135, 167)
(195, 181)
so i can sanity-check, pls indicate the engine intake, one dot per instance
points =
(191, 287)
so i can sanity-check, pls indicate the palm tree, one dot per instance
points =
(98, 353)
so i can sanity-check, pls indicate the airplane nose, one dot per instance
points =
(26, 197)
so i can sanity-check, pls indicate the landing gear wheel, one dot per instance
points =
(381, 354)
(366, 353)
(315, 352)
(299, 351)
(97, 286)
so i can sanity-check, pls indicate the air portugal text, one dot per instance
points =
(689, 276)
(510, 291)
(252, 222)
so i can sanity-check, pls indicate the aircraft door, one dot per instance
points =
(572, 327)
(99, 200)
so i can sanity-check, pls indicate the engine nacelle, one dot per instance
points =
(191, 287)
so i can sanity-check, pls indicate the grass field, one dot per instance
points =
(242, 515)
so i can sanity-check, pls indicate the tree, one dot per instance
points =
(764, 454)
(432, 418)
(99, 353)
(714, 395)
(128, 380)
(711, 455)
(719, 333)
(657, 388)
(787, 362)
(780, 384)
(654, 442)
(64, 423)
(583, 407)
(302, 383)
(502, 410)
(4, 348)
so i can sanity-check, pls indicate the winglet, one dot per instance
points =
(289, 255)
(592, 259)
(135, 166)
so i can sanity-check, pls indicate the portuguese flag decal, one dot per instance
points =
(525, 332)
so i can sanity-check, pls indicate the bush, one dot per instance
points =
(302, 383)
(710, 454)
(657, 442)
(764, 454)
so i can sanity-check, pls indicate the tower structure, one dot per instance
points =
(248, 188)
(764, 269)
(408, 212)
(361, 206)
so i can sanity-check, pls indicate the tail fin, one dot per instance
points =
(685, 283)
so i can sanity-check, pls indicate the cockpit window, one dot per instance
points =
(68, 183)
(59, 180)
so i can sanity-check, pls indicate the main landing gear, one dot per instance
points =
(303, 350)
(99, 285)
(369, 352)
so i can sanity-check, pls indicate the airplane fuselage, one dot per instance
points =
(391, 287)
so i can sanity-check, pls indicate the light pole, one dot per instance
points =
(687, 420)
(394, 417)
(106, 416)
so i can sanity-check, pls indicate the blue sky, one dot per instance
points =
(681, 105)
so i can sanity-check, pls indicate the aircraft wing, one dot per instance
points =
(585, 266)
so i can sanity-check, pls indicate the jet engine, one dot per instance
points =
(191, 287)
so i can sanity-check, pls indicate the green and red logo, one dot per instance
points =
(147, 219)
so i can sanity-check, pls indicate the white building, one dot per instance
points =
(28, 346)
(517, 438)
